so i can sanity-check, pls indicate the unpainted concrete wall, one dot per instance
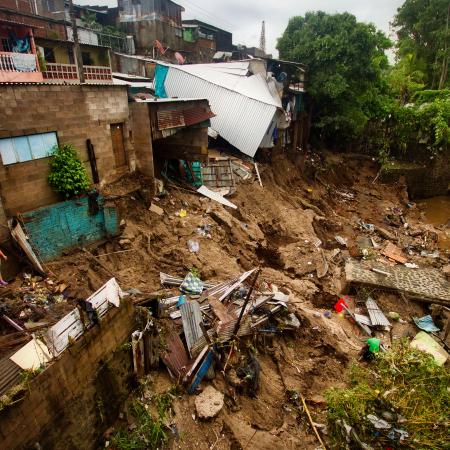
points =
(71, 404)
(76, 113)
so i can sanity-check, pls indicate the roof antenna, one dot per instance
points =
(262, 40)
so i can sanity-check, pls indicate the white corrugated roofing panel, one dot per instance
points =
(254, 86)
(240, 119)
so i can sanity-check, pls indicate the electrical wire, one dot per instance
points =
(211, 15)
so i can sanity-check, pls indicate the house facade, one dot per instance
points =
(152, 20)
(36, 117)
(35, 48)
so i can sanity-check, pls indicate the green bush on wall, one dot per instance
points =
(67, 173)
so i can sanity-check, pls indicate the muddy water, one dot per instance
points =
(437, 213)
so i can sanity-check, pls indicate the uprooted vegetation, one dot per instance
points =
(403, 387)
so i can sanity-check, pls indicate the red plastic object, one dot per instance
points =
(338, 306)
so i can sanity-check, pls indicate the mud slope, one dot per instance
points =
(288, 228)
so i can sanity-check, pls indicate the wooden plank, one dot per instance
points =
(20, 237)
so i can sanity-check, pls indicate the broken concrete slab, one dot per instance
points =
(427, 285)
(209, 403)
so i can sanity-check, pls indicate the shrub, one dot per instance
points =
(67, 173)
(403, 381)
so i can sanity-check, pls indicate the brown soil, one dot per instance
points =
(276, 227)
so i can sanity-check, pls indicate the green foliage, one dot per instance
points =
(42, 62)
(427, 122)
(150, 429)
(404, 381)
(67, 173)
(423, 39)
(90, 21)
(345, 60)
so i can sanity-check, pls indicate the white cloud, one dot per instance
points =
(244, 19)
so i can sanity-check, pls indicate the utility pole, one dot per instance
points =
(76, 43)
(262, 41)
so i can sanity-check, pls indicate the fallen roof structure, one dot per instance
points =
(427, 285)
(244, 100)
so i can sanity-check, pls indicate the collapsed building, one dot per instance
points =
(271, 91)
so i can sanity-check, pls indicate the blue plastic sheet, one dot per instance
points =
(160, 79)
(426, 323)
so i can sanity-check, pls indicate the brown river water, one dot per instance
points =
(437, 213)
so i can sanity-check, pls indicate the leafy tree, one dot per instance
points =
(423, 37)
(67, 173)
(345, 60)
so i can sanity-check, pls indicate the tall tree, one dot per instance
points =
(345, 59)
(423, 35)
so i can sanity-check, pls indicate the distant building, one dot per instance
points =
(152, 20)
(222, 38)
(202, 40)
(34, 48)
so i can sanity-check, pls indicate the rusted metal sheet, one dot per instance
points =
(9, 374)
(170, 119)
(197, 114)
(218, 174)
(175, 356)
(376, 316)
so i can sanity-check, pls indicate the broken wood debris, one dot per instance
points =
(219, 315)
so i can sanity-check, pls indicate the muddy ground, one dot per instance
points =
(276, 227)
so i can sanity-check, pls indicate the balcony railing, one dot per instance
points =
(18, 62)
(97, 73)
(68, 72)
(60, 72)
(19, 67)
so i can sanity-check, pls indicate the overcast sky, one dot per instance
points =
(243, 18)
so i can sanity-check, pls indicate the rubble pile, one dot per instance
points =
(255, 305)
(208, 320)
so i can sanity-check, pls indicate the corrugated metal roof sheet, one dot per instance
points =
(170, 119)
(240, 119)
(196, 115)
(376, 315)
(192, 318)
(175, 356)
(254, 86)
(9, 374)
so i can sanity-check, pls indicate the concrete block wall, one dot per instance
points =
(429, 179)
(142, 138)
(67, 406)
(65, 225)
(76, 113)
